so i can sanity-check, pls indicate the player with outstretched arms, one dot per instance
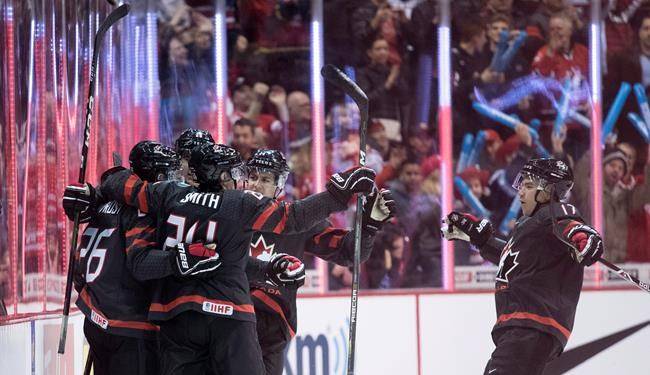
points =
(206, 316)
(114, 300)
(275, 305)
(540, 271)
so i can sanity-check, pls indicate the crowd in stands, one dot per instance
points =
(522, 58)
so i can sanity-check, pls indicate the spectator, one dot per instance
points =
(382, 82)
(493, 142)
(243, 137)
(539, 21)
(560, 57)
(299, 107)
(496, 24)
(471, 69)
(377, 138)
(619, 35)
(618, 202)
(384, 268)
(377, 17)
(424, 265)
(632, 65)
(405, 189)
(420, 143)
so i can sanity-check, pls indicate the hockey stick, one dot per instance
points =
(89, 363)
(112, 18)
(343, 82)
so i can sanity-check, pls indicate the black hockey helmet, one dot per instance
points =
(209, 161)
(189, 139)
(271, 161)
(547, 172)
(153, 161)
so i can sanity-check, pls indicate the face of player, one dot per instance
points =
(614, 171)
(227, 181)
(186, 174)
(527, 194)
(261, 182)
(644, 34)
(494, 29)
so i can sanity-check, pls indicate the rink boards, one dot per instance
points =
(403, 333)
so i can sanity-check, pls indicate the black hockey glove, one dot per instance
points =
(80, 199)
(378, 209)
(285, 270)
(355, 180)
(195, 259)
(467, 227)
(588, 243)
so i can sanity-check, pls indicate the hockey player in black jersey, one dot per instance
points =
(275, 306)
(207, 322)
(185, 143)
(114, 301)
(540, 271)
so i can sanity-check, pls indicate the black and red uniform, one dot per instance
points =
(537, 290)
(227, 218)
(115, 304)
(275, 307)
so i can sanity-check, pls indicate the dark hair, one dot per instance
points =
(246, 122)
(499, 17)
(469, 28)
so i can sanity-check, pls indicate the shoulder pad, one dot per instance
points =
(561, 211)
(110, 172)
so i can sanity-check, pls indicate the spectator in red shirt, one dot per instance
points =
(560, 58)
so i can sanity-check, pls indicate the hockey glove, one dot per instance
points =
(195, 259)
(378, 209)
(467, 227)
(587, 242)
(80, 199)
(355, 180)
(285, 270)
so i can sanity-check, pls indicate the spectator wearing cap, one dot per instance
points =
(378, 139)
(382, 82)
(618, 202)
(561, 58)
(493, 142)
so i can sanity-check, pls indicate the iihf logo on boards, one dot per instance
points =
(319, 354)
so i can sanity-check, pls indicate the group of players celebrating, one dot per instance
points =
(189, 264)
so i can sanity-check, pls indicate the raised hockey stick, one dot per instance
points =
(112, 18)
(343, 82)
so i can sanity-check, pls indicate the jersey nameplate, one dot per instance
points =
(110, 208)
(210, 200)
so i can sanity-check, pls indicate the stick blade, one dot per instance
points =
(339, 79)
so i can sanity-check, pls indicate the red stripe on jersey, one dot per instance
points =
(113, 322)
(280, 227)
(261, 220)
(140, 243)
(335, 241)
(318, 237)
(142, 198)
(138, 230)
(159, 307)
(268, 301)
(536, 318)
(128, 187)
